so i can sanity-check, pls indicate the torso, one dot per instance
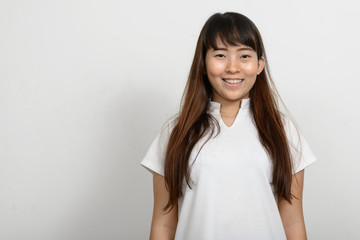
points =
(231, 195)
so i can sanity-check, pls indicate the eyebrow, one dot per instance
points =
(240, 49)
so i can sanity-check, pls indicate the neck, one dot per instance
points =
(228, 108)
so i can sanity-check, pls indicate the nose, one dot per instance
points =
(232, 66)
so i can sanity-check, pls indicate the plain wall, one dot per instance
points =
(86, 85)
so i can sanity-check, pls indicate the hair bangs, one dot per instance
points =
(230, 31)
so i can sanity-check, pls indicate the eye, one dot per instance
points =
(245, 56)
(220, 55)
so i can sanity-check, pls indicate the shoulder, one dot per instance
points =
(169, 124)
(293, 133)
(300, 150)
(166, 128)
(290, 126)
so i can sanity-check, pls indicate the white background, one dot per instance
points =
(86, 85)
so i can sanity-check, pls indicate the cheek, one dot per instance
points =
(250, 69)
(214, 68)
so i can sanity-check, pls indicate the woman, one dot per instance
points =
(230, 165)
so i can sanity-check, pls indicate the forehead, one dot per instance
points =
(223, 44)
(225, 47)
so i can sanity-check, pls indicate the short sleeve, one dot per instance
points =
(154, 158)
(301, 153)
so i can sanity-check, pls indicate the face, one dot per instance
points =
(232, 71)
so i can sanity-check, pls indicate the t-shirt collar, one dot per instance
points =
(215, 106)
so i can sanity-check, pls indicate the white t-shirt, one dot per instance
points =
(232, 196)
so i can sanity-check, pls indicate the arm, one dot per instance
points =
(163, 226)
(292, 214)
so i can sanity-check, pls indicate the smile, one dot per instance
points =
(233, 81)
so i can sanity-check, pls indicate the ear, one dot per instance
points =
(261, 64)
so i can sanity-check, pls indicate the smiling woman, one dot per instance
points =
(230, 165)
(232, 72)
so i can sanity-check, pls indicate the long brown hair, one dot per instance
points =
(193, 121)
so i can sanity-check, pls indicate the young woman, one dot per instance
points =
(230, 164)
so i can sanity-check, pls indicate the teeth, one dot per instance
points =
(233, 81)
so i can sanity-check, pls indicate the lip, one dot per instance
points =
(231, 85)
